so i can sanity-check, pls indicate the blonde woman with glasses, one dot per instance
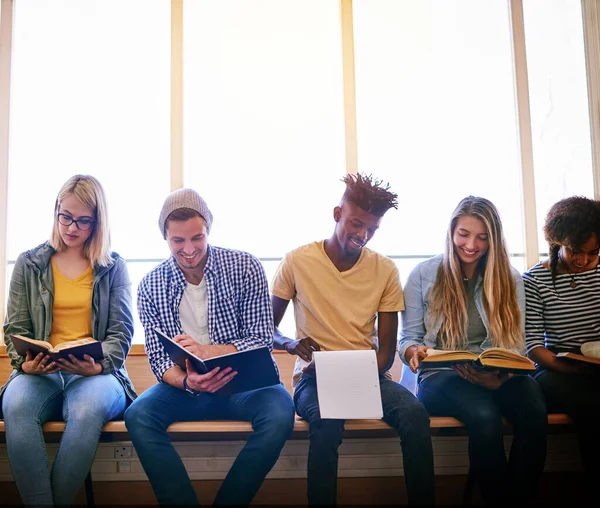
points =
(68, 288)
(471, 298)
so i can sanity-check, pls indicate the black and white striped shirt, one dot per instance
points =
(559, 316)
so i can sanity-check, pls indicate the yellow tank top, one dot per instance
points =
(72, 310)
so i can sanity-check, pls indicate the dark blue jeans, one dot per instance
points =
(401, 410)
(271, 411)
(521, 402)
(579, 397)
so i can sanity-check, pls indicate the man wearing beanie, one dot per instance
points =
(213, 301)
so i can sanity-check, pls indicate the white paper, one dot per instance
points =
(348, 384)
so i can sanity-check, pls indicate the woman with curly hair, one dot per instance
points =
(471, 298)
(563, 313)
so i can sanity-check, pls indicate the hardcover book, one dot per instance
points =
(491, 359)
(77, 348)
(255, 367)
(578, 358)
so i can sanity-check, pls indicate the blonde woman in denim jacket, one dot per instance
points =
(471, 298)
(66, 289)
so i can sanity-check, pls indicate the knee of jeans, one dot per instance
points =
(134, 413)
(484, 422)
(326, 432)
(278, 420)
(137, 414)
(482, 415)
(410, 416)
(19, 407)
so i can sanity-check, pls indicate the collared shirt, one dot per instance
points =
(239, 304)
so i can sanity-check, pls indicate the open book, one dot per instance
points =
(77, 348)
(491, 359)
(255, 367)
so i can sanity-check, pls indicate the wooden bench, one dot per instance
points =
(142, 377)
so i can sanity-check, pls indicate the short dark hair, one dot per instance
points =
(181, 214)
(369, 193)
(570, 222)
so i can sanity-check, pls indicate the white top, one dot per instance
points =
(193, 312)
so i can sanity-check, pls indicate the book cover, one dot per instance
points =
(578, 358)
(77, 348)
(490, 359)
(255, 367)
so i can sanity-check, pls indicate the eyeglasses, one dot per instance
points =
(82, 224)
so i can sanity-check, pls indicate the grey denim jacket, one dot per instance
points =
(29, 311)
(417, 328)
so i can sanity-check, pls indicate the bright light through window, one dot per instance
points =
(90, 94)
(436, 115)
(264, 120)
(560, 124)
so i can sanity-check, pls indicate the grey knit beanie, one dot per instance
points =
(184, 198)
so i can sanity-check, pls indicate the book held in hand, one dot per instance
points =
(77, 348)
(255, 368)
(571, 355)
(495, 358)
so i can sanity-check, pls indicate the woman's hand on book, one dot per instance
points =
(492, 380)
(414, 355)
(570, 367)
(85, 367)
(40, 364)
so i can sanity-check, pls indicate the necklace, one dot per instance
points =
(573, 281)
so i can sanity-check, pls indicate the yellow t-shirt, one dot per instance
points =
(337, 309)
(72, 309)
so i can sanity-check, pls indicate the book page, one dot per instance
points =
(498, 352)
(348, 384)
(41, 343)
(73, 343)
(439, 355)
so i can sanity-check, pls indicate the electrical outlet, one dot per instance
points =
(122, 452)
(124, 466)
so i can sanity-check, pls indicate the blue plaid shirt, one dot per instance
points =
(239, 304)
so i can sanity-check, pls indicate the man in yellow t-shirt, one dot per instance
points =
(347, 297)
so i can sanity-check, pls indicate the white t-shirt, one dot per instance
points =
(193, 312)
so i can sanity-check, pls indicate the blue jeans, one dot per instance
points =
(521, 401)
(270, 410)
(578, 395)
(401, 410)
(86, 404)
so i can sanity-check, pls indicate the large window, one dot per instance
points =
(268, 117)
(560, 124)
(436, 115)
(264, 121)
(90, 94)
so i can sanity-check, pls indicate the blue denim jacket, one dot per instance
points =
(30, 301)
(416, 326)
